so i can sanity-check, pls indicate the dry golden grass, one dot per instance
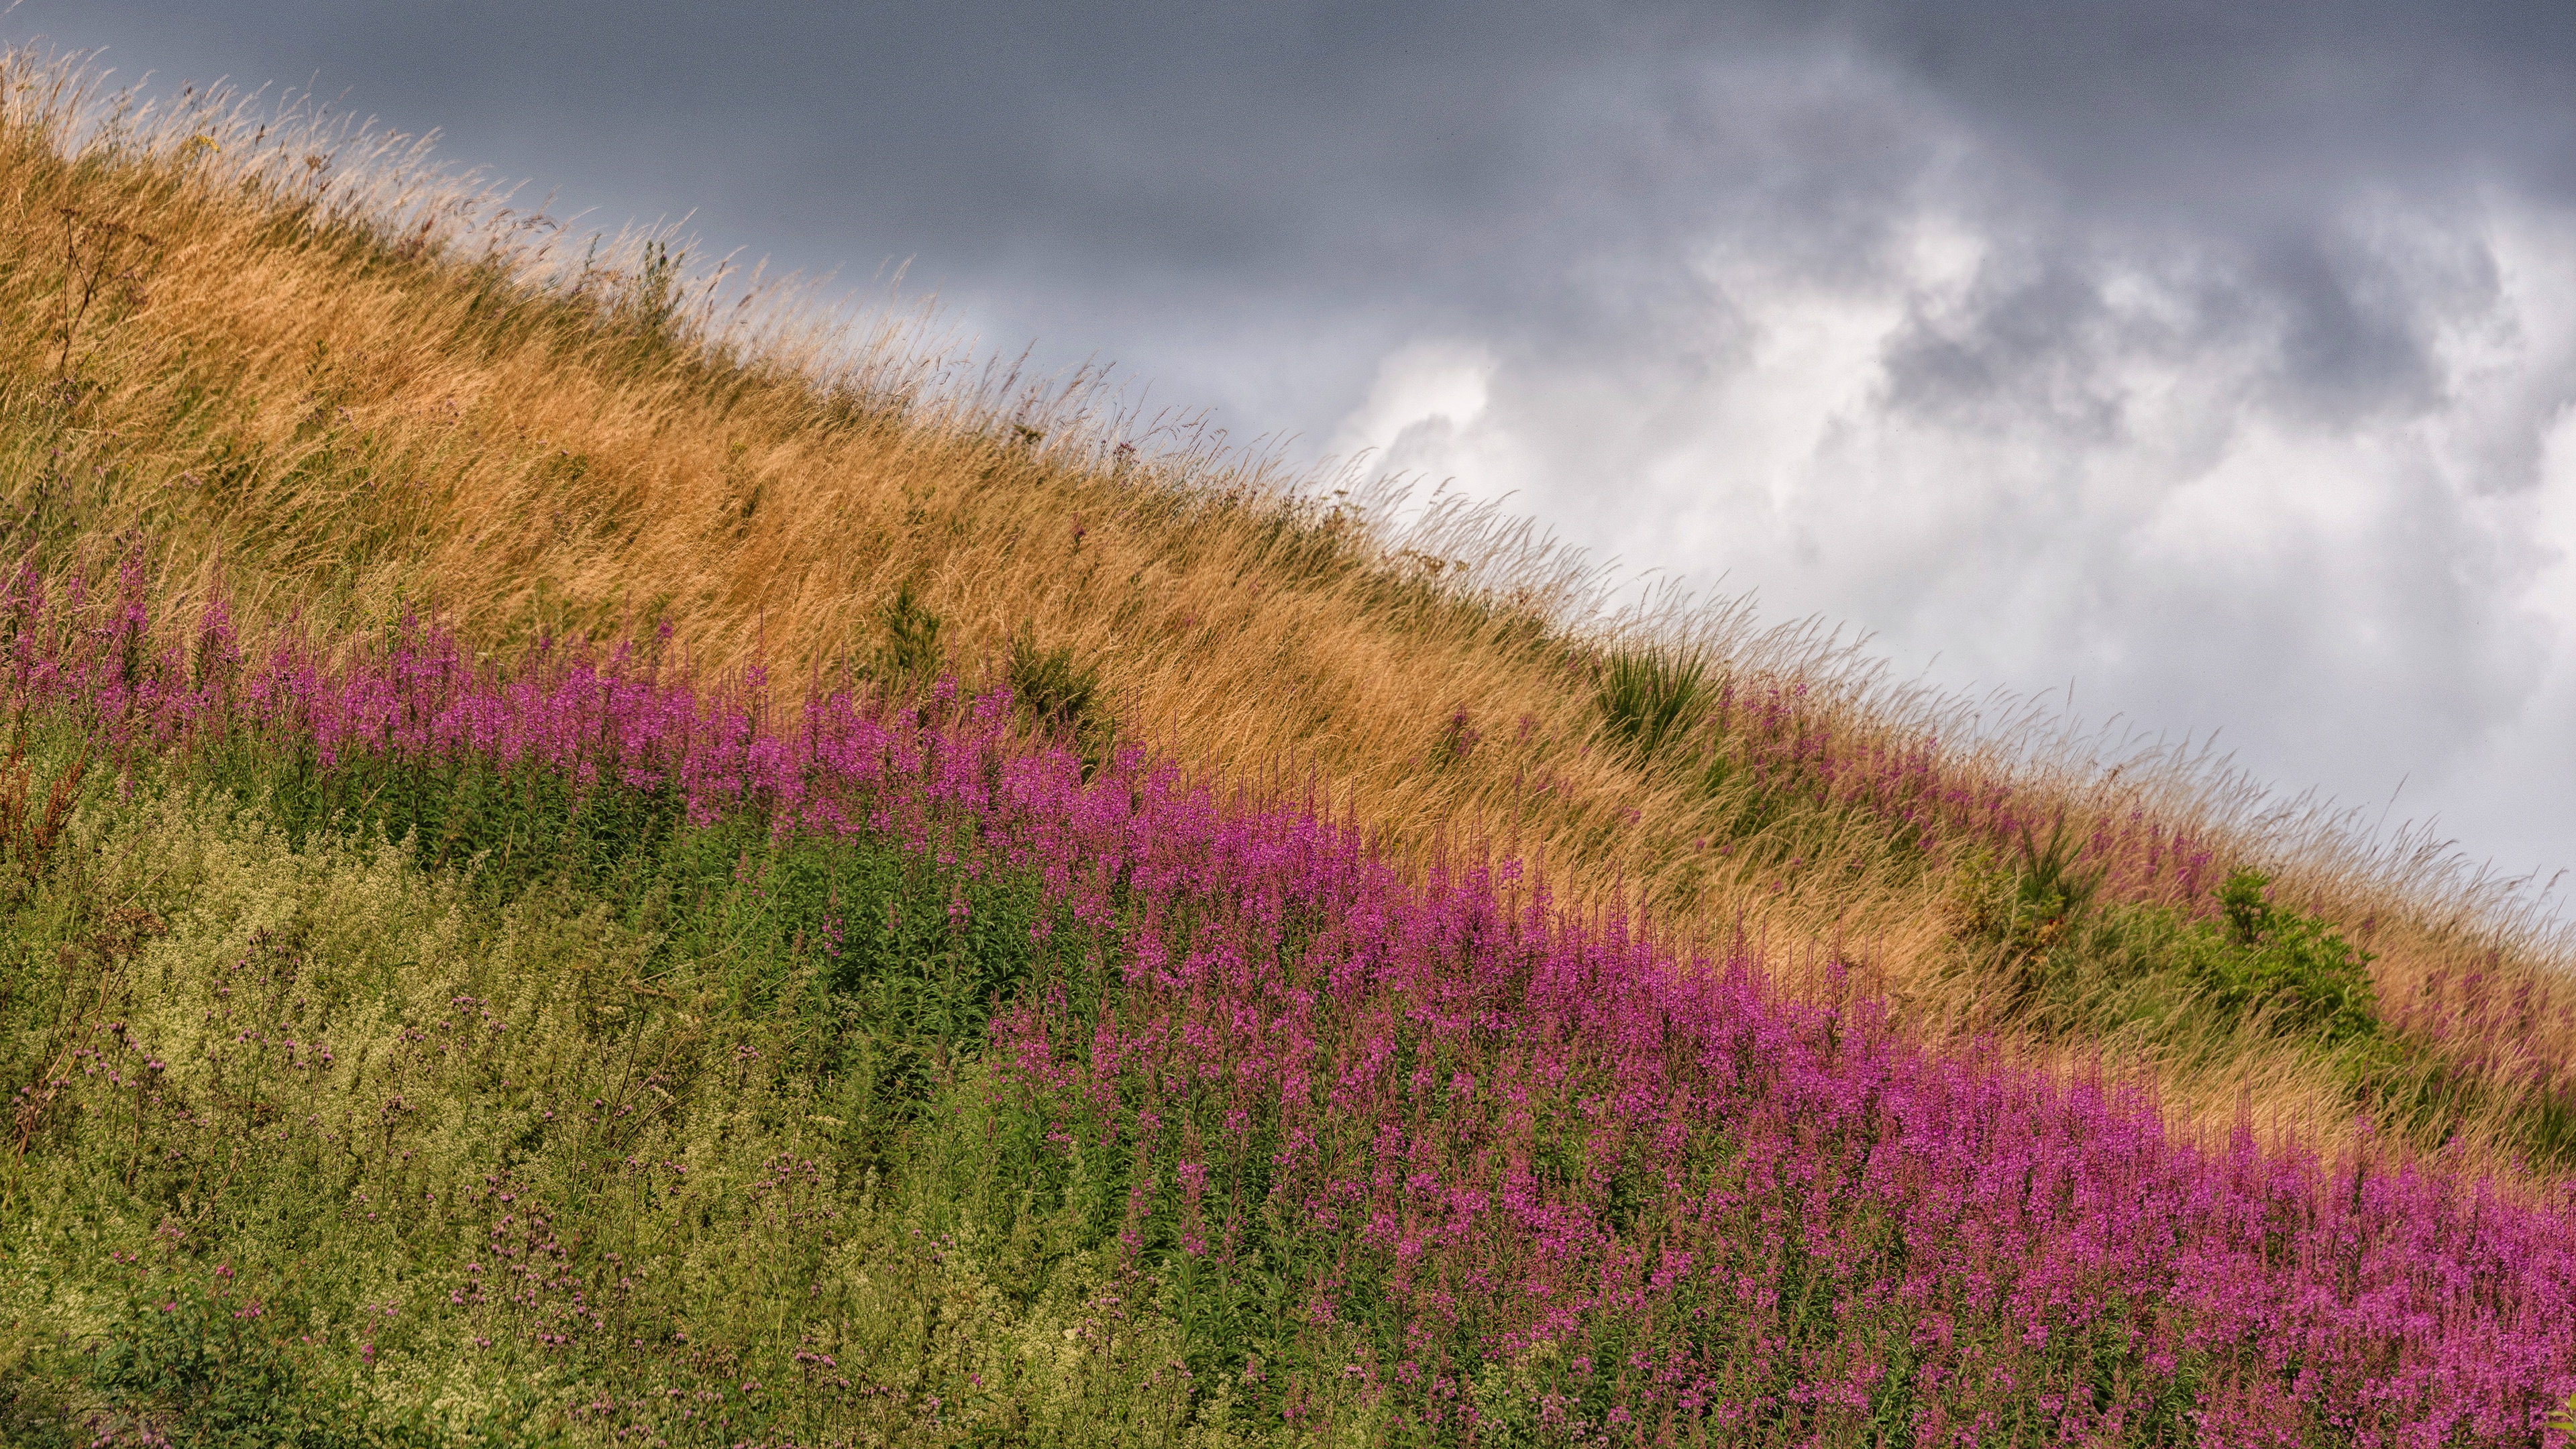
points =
(308, 366)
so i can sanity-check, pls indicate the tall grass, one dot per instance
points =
(306, 364)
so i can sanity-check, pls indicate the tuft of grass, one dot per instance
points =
(2028, 910)
(1649, 697)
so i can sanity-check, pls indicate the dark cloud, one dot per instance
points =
(2352, 340)
(1205, 132)
(2253, 110)
(2026, 352)
(1421, 157)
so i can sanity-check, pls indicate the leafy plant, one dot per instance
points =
(2293, 966)
(1051, 686)
(1648, 697)
(912, 649)
(204, 1367)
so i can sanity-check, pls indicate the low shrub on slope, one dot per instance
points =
(304, 362)
(422, 1051)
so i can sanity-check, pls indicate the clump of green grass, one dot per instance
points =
(1649, 697)
(1060, 693)
(2026, 910)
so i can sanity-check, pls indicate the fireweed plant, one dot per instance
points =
(407, 1050)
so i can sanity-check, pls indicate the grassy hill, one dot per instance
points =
(589, 863)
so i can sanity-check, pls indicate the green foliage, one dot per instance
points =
(206, 1368)
(1508, 1395)
(2419, 1091)
(2293, 969)
(2095, 971)
(2549, 1127)
(1648, 697)
(911, 652)
(2256, 962)
(1060, 693)
(914, 944)
(648, 306)
(2027, 911)
(2052, 885)
(201, 1360)
(721, 1089)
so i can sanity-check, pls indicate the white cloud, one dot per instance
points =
(1427, 396)
(2048, 457)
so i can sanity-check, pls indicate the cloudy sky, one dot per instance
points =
(2219, 359)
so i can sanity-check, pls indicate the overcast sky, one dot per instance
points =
(2220, 359)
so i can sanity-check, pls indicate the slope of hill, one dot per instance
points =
(263, 391)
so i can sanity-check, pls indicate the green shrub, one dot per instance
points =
(2290, 971)
(204, 1367)
(2293, 968)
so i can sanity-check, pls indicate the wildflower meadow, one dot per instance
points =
(418, 1049)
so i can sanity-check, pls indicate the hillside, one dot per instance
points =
(589, 850)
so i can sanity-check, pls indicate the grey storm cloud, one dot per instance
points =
(2213, 353)
(1417, 157)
